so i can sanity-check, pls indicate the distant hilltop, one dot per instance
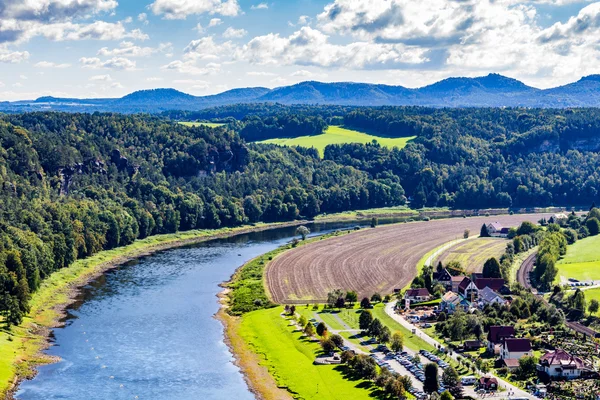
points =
(493, 90)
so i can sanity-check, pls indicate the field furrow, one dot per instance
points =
(367, 261)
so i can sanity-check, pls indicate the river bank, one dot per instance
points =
(21, 348)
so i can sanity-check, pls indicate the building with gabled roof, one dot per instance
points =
(417, 295)
(497, 334)
(560, 364)
(516, 348)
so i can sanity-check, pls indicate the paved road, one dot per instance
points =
(389, 309)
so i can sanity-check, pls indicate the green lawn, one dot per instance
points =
(582, 260)
(209, 124)
(410, 340)
(339, 135)
(289, 359)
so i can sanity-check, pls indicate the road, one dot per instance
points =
(523, 279)
(389, 309)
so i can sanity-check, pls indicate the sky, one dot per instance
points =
(108, 48)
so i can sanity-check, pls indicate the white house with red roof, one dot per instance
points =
(560, 364)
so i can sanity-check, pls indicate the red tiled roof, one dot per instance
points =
(488, 381)
(511, 362)
(493, 283)
(458, 278)
(562, 358)
(517, 345)
(496, 333)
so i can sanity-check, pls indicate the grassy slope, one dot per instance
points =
(339, 135)
(289, 358)
(582, 260)
(19, 348)
(473, 253)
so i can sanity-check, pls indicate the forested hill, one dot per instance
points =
(492, 90)
(75, 184)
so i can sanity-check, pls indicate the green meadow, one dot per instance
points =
(289, 358)
(582, 261)
(339, 135)
(209, 124)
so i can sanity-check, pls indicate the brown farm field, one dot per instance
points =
(367, 261)
(473, 253)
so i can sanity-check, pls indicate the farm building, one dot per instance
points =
(470, 345)
(560, 364)
(515, 348)
(497, 334)
(511, 363)
(495, 229)
(417, 295)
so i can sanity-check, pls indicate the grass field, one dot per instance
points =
(289, 358)
(473, 253)
(399, 211)
(582, 261)
(339, 135)
(209, 124)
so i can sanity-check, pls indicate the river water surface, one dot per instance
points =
(146, 330)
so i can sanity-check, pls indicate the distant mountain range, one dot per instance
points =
(492, 90)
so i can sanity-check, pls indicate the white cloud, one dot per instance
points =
(190, 68)
(23, 77)
(309, 46)
(17, 85)
(180, 9)
(154, 79)
(259, 6)
(14, 57)
(232, 33)
(302, 73)
(207, 49)
(117, 63)
(50, 64)
(304, 20)
(101, 78)
(143, 18)
(260, 73)
(199, 28)
(127, 49)
(215, 22)
(46, 10)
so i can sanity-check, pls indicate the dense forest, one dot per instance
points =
(75, 184)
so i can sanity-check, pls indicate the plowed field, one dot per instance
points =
(473, 253)
(367, 261)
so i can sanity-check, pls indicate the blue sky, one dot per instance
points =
(108, 48)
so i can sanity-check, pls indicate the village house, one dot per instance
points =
(444, 278)
(560, 364)
(470, 345)
(558, 218)
(487, 296)
(468, 289)
(456, 280)
(417, 295)
(495, 229)
(452, 302)
(496, 335)
(513, 348)
(488, 383)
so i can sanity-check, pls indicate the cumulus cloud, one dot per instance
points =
(180, 9)
(215, 22)
(309, 46)
(116, 63)
(207, 49)
(13, 57)
(259, 6)
(50, 64)
(127, 49)
(48, 10)
(101, 78)
(190, 68)
(232, 33)
(143, 18)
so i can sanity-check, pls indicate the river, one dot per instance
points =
(146, 330)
